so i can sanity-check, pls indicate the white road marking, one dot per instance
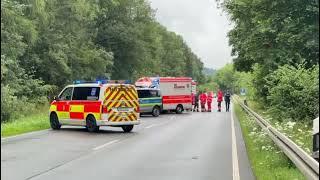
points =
(152, 125)
(235, 162)
(106, 144)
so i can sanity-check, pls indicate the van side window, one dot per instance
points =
(86, 93)
(66, 94)
(143, 93)
(148, 93)
(154, 93)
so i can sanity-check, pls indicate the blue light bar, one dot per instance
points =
(102, 81)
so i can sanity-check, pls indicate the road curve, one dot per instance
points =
(185, 146)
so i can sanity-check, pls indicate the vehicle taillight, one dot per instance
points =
(104, 109)
(138, 109)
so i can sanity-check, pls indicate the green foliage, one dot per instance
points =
(276, 46)
(273, 33)
(48, 44)
(141, 46)
(211, 86)
(224, 77)
(19, 89)
(245, 80)
(294, 92)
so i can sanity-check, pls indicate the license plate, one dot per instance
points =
(123, 109)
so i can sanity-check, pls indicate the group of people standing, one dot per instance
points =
(206, 98)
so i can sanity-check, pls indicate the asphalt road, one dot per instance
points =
(188, 146)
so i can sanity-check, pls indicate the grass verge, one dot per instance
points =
(267, 160)
(34, 122)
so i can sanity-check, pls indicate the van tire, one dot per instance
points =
(54, 121)
(127, 128)
(179, 109)
(156, 111)
(91, 124)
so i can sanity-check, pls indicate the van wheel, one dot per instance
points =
(54, 121)
(179, 109)
(156, 111)
(127, 128)
(91, 124)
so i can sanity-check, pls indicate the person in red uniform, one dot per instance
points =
(203, 100)
(209, 100)
(220, 99)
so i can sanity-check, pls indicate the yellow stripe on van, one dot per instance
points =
(53, 108)
(63, 115)
(76, 108)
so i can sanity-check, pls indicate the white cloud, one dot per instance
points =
(202, 25)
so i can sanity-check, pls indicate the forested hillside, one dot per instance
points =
(48, 44)
(209, 71)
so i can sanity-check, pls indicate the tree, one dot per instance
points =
(273, 33)
(224, 77)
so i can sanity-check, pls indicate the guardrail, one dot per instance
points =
(305, 163)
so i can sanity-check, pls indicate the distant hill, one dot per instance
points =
(209, 71)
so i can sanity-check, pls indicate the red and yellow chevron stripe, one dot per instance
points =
(121, 96)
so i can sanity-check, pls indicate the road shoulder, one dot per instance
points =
(24, 136)
(245, 169)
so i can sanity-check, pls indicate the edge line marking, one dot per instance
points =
(235, 161)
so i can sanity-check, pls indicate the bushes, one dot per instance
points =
(293, 92)
(290, 92)
(15, 105)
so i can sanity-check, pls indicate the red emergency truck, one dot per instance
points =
(175, 91)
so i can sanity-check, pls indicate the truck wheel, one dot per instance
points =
(179, 109)
(127, 128)
(54, 121)
(91, 124)
(156, 111)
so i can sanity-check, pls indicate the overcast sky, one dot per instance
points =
(202, 25)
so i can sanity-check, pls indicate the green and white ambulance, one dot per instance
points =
(150, 101)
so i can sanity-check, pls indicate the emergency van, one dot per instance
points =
(175, 91)
(96, 104)
(150, 101)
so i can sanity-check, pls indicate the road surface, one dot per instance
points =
(188, 146)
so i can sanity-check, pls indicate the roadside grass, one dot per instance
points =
(267, 160)
(298, 132)
(33, 122)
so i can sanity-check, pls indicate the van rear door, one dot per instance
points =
(122, 103)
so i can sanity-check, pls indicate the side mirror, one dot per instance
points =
(56, 98)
